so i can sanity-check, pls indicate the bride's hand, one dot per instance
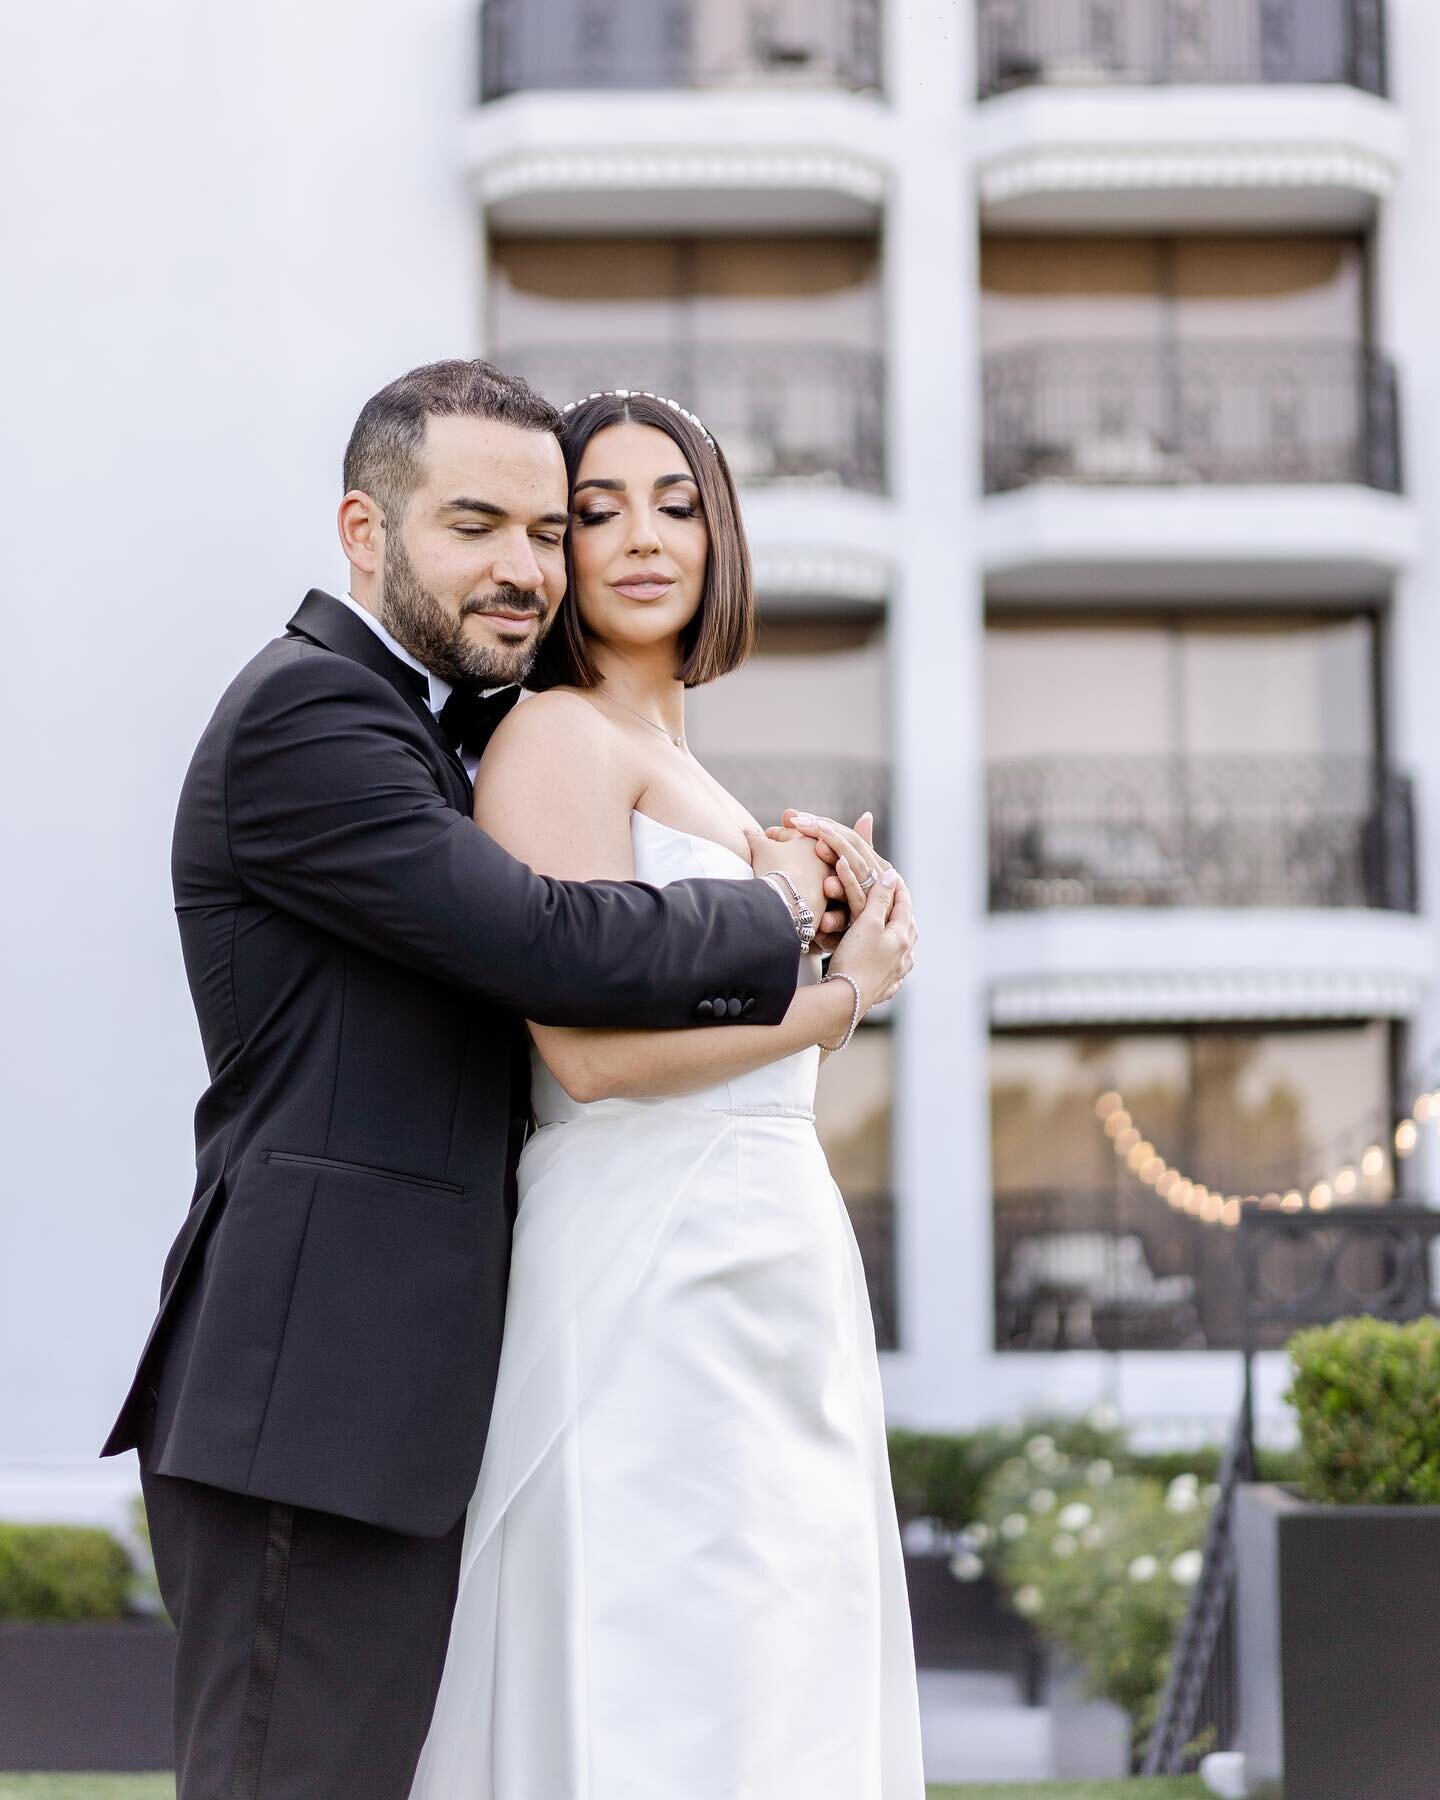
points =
(878, 951)
(833, 840)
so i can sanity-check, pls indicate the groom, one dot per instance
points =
(311, 1405)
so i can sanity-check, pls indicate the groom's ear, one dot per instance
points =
(362, 531)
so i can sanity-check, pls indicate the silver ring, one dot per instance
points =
(868, 882)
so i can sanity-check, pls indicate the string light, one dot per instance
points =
(1184, 1194)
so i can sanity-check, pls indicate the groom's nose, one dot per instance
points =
(516, 566)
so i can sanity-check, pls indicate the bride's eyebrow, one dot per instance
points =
(612, 486)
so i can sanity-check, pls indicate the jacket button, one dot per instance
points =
(748, 1007)
(705, 1009)
(732, 1006)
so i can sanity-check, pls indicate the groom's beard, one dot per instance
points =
(413, 616)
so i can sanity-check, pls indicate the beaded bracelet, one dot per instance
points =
(839, 975)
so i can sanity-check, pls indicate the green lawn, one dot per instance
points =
(161, 1787)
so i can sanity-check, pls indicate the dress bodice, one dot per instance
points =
(664, 854)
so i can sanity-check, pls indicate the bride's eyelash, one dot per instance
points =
(599, 518)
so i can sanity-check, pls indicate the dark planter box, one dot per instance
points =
(1336, 1617)
(965, 1625)
(77, 1697)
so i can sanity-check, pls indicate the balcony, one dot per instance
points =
(1086, 43)
(1200, 831)
(1128, 115)
(1124, 1271)
(567, 44)
(1168, 414)
(800, 416)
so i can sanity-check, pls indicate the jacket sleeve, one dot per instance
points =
(334, 815)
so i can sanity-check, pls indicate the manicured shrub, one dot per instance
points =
(56, 1573)
(934, 1477)
(1367, 1393)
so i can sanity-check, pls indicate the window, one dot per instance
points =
(1292, 685)
(853, 1117)
(1088, 1254)
(1276, 289)
(760, 731)
(774, 341)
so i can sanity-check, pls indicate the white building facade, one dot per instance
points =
(1077, 363)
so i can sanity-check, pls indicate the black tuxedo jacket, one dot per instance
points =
(361, 957)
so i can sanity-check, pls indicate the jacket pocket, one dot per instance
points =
(394, 1177)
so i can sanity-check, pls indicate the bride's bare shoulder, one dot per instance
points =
(551, 732)
(562, 717)
(559, 742)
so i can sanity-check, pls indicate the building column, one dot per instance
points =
(1406, 281)
(942, 1130)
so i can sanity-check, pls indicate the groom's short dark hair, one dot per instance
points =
(383, 458)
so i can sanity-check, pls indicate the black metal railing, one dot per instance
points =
(1200, 831)
(1168, 413)
(805, 415)
(1200, 1705)
(1295, 1269)
(1109, 1271)
(836, 787)
(678, 44)
(1088, 42)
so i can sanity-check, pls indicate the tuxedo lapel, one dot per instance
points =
(323, 620)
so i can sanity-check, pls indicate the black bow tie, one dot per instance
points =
(469, 719)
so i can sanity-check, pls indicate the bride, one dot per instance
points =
(681, 1577)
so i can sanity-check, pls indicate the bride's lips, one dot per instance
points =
(649, 587)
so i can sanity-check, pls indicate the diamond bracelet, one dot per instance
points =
(840, 975)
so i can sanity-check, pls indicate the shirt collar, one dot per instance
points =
(439, 691)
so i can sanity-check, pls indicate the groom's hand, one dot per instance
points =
(832, 841)
(797, 856)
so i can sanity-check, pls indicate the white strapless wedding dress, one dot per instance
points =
(681, 1577)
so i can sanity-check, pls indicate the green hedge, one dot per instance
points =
(935, 1478)
(66, 1573)
(943, 1476)
(1368, 1398)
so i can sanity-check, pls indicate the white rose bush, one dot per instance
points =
(1099, 1562)
(1096, 1545)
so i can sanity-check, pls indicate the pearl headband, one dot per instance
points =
(645, 394)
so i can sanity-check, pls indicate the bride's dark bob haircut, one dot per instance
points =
(722, 634)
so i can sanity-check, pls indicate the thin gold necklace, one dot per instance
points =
(678, 742)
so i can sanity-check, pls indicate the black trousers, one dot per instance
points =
(310, 1647)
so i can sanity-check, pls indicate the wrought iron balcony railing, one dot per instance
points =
(1243, 412)
(783, 413)
(678, 44)
(1200, 831)
(1102, 1271)
(1087, 1270)
(1088, 42)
